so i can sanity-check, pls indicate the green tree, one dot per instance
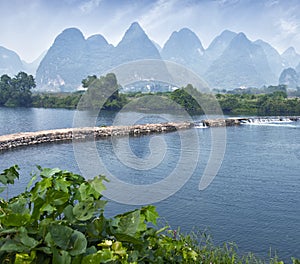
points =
(229, 103)
(102, 93)
(188, 98)
(88, 81)
(16, 91)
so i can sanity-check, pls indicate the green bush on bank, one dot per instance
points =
(231, 104)
(59, 218)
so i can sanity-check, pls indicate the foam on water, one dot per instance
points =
(276, 122)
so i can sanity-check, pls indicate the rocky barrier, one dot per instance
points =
(68, 134)
(56, 135)
(222, 122)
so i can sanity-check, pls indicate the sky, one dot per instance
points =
(29, 27)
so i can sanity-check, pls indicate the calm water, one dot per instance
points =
(254, 199)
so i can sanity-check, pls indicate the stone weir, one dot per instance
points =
(68, 134)
(56, 135)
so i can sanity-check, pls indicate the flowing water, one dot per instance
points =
(254, 200)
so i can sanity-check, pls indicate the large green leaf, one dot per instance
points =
(11, 245)
(57, 197)
(142, 225)
(96, 227)
(128, 223)
(40, 188)
(47, 172)
(78, 243)
(38, 204)
(47, 208)
(61, 257)
(87, 191)
(26, 240)
(62, 185)
(9, 231)
(84, 191)
(15, 219)
(100, 204)
(9, 175)
(127, 238)
(98, 185)
(150, 213)
(33, 178)
(84, 211)
(68, 213)
(19, 205)
(61, 235)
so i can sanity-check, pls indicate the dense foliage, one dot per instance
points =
(275, 103)
(103, 93)
(60, 219)
(186, 98)
(16, 91)
(57, 100)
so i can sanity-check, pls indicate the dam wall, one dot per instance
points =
(56, 135)
(69, 134)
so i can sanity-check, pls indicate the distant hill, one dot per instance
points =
(10, 62)
(184, 47)
(135, 45)
(290, 58)
(216, 49)
(31, 67)
(63, 67)
(72, 57)
(274, 59)
(290, 78)
(242, 63)
(230, 61)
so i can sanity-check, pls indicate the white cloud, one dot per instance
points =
(164, 17)
(271, 3)
(159, 11)
(288, 26)
(89, 6)
(227, 2)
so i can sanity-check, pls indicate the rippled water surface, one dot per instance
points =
(254, 200)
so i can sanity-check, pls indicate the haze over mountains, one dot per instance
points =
(230, 61)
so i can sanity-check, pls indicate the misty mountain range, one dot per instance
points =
(230, 61)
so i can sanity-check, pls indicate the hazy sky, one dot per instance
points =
(29, 27)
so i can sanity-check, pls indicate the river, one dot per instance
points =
(254, 199)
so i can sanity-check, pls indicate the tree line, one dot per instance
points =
(103, 93)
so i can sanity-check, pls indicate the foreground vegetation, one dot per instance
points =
(103, 93)
(59, 218)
